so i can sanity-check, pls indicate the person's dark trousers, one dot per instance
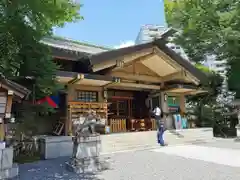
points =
(160, 135)
(160, 131)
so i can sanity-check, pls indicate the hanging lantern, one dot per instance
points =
(165, 97)
(105, 95)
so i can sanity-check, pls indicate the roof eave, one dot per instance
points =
(24, 92)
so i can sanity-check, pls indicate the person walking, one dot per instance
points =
(160, 125)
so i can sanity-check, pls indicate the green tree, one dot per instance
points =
(202, 104)
(209, 27)
(23, 24)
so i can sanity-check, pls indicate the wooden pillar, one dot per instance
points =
(68, 121)
(182, 104)
(9, 104)
(7, 115)
(2, 129)
(164, 103)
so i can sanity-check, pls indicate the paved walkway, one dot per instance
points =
(216, 160)
(177, 162)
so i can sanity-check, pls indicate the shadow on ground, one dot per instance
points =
(52, 170)
(207, 130)
(176, 133)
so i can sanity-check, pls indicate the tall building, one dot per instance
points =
(219, 67)
(150, 32)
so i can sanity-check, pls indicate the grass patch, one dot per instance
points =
(25, 158)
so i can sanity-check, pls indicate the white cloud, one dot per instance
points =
(125, 44)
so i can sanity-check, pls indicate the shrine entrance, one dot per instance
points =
(129, 110)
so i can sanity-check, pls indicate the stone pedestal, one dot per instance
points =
(56, 146)
(238, 130)
(86, 155)
(7, 168)
(238, 133)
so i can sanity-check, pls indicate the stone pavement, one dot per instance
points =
(176, 162)
(216, 160)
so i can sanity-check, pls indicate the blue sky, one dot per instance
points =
(113, 22)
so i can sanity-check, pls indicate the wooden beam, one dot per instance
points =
(196, 91)
(136, 77)
(176, 65)
(125, 58)
(174, 76)
(135, 85)
(148, 78)
(127, 63)
(76, 79)
(150, 70)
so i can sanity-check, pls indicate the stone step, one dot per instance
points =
(124, 141)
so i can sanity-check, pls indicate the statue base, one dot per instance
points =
(87, 166)
(237, 139)
(9, 173)
(86, 156)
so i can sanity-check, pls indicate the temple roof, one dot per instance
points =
(18, 89)
(71, 45)
(113, 55)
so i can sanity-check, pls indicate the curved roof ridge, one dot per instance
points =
(76, 42)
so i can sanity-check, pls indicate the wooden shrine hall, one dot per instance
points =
(124, 85)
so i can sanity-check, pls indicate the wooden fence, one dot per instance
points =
(117, 125)
(154, 127)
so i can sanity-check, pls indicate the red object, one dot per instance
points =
(48, 100)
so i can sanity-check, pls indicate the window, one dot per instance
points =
(87, 96)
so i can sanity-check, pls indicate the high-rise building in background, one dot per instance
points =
(219, 67)
(150, 32)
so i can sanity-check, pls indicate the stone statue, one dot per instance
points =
(86, 145)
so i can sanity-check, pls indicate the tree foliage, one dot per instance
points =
(201, 104)
(208, 28)
(23, 57)
(23, 24)
(213, 86)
